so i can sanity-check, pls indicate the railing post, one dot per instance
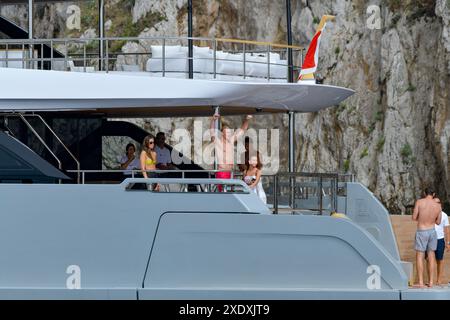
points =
(268, 63)
(65, 56)
(292, 182)
(51, 54)
(301, 60)
(84, 56)
(335, 191)
(245, 59)
(107, 55)
(275, 194)
(6, 55)
(163, 58)
(320, 197)
(42, 56)
(215, 58)
(23, 53)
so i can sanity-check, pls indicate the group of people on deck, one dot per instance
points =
(432, 238)
(156, 156)
(251, 169)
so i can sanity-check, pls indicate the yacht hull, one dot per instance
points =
(109, 242)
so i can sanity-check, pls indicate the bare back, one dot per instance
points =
(427, 213)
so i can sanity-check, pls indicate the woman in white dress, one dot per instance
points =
(252, 177)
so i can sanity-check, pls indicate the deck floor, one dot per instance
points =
(405, 230)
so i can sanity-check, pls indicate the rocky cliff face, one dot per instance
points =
(393, 133)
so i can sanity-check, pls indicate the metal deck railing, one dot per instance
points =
(22, 117)
(84, 55)
(299, 192)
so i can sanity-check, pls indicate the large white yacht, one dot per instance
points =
(70, 230)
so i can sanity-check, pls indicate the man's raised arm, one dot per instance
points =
(212, 127)
(243, 127)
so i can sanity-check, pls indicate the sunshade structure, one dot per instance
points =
(123, 95)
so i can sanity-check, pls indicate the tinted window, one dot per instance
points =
(8, 161)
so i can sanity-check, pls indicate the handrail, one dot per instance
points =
(33, 61)
(59, 140)
(260, 43)
(189, 181)
(234, 173)
(8, 115)
(38, 137)
(324, 188)
(41, 40)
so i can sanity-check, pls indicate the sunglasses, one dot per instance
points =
(151, 142)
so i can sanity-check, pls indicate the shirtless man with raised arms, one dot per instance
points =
(427, 213)
(224, 145)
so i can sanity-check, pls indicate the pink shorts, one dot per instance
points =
(222, 175)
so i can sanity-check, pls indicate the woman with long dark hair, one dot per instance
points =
(252, 176)
(148, 158)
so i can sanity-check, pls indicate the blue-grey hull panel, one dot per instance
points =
(105, 238)
(266, 251)
(282, 294)
(66, 294)
(426, 294)
(229, 294)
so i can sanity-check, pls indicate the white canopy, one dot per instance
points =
(127, 95)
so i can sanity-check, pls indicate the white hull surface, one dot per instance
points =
(36, 90)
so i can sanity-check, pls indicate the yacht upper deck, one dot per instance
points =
(176, 57)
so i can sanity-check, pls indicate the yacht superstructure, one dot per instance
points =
(85, 239)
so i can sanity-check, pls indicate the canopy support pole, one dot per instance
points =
(291, 141)
(292, 159)
(30, 32)
(101, 30)
(190, 43)
(30, 19)
(217, 128)
(289, 40)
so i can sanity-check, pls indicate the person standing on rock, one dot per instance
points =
(427, 213)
